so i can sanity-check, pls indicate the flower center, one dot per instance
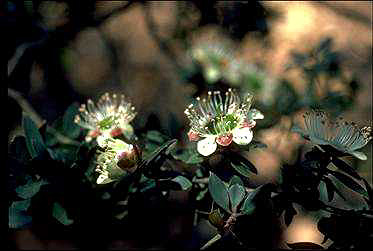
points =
(106, 123)
(222, 124)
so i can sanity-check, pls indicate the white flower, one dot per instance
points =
(221, 121)
(113, 163)
(342, 135)
(110, 117)
(214, 57)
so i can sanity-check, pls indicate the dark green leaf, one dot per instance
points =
(188, 156)
(241, 170)
(69, 127)
(345, 168)
(349, 182)
(331, 188)
(238, 160)
(369, 189)
(219, 192)
(290, 212)
(286, 98)
(18, 149)
(34, 141)
(156, 136)
(304, 246)
(235, 180)
(249, 204)
(236, 195)
(30, 189)
(201, 194)
(183, 182)
(18, 217)
(60, 214)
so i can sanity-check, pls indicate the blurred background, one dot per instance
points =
(64, 52)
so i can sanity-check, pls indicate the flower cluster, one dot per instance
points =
(218, 61)
(340, 134)
(214, 57)
(109, 118)
(221, 121)
(117, 159)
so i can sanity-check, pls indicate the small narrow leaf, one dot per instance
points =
(183, 182)
(345, 168)
(30, 189)
(237, 160)
(241, 170)
(331, 189)
(349, 182)
(34, 140)
(219, 192)
(236, 195)
(60, 214)
(369, 189)
(18, 217)
(69, 127)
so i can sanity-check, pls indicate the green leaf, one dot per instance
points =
(241, 164)
(201, 194)
(34, 141)
(30, 189)
(345, 168)
(219, 192)
(249, 203)
(331, 188)
(18, 149)
(18, 217)
(289, 214)
(67, 154)
(304, 246)
(60, 214)
(69, 127)
(236, 195)
(235, 180)
(349, 182)
(183, 182)
(188, 156)
(241, 170)
(156, 136)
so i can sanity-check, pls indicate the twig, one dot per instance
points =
(28, 109)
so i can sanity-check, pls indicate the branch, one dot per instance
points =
(162, 44)
(115, 12)
(26, 107)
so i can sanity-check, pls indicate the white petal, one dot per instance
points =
(255, 114)
(242, 136)
(359, 155)
(207, 146)
(103, 179)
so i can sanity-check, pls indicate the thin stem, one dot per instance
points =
(26, 107)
